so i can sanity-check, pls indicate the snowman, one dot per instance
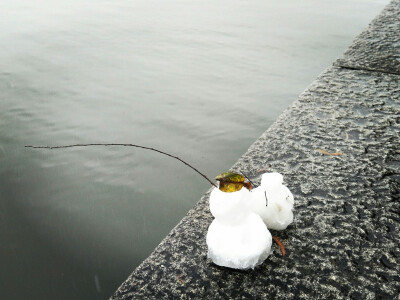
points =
(273, 202)
(237, 237)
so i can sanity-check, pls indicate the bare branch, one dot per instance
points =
(264, 169)
(125, 145)
(247, 178)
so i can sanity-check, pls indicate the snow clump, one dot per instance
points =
(239, 237)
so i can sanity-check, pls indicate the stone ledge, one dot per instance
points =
(378, 47)
(344, 241)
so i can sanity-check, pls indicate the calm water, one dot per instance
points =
(199, 79)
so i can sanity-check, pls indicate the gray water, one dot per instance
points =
(199, 79)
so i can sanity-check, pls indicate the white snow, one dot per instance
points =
(230, 208)
(238, 237)
(273, 202)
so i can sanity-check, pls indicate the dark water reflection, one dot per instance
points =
(199, 79)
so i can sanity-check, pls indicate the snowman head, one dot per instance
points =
(229, 208)
(271, 180)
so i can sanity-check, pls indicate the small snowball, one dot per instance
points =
(270, 180)
(273, 202)
(237, 238)
(241, 246)
(230, 208)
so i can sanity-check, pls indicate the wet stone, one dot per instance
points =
(306, 188)
(378, 47)
(344, 242)
(345, 205)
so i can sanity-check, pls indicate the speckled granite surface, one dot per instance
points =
(377, 47)
(344, 242)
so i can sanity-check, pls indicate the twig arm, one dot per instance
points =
(124, 145)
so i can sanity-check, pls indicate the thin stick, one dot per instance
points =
(264, 169)
(329, 153)
(266, 199)
(247, 178)
(125, 145)
(280, 245)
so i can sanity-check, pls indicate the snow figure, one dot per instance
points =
(273, 202)
(237, 237)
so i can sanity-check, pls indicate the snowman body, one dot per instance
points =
(237, 237)
(273, 202)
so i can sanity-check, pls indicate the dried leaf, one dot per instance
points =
(230, 176)
(330, 153)
(347, 136)
(230, 187)
(248, 185)
(181, 280)
(230, 182)
(280, 245)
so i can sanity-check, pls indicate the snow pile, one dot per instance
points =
(273, 202)
(238, 237)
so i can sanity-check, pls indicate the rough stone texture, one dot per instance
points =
(345, 239)
(344, 242)
(378, 47)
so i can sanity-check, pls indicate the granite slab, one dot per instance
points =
(377, 48)
(344, 242)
